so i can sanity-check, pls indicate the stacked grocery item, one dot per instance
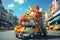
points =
(31, 23)
(32, 17)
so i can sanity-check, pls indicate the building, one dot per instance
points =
(54, 5)
(10, 18)
(54, 21)
(15, 21)
(3, 16)
(47, 16)
(59, 3)
(7, 19)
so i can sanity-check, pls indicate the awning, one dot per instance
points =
(54, 20)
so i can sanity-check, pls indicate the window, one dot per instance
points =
(56, 0)
(0, 12)
(59, 2)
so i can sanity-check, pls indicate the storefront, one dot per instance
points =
(3, 25)
(55, 20)
(10, 25)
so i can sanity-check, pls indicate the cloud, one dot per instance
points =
(10, 5)
(20, 8)
(19, 1)
(15, 0)
(40, 10)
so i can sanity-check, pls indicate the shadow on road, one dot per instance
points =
(5, 30)
(53, 36)
(2, 30)
(58, 33)
(44, 37)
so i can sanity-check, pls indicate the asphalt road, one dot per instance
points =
(10, 35)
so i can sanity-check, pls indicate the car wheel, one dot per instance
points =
(16, 35)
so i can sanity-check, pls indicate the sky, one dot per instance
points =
(20, 6)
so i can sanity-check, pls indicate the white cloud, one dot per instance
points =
(20, 8)
(19, 1)
(11, 5)
(40, 10)
(15, 0)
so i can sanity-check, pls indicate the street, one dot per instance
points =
(10, 35)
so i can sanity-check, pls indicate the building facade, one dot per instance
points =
(10, 19)
(3, 16)
(55, 19)
(15, 21)
(7, 19)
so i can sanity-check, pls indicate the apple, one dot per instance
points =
(36, 7)
(37, 14)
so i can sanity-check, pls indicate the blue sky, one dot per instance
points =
(20, 6)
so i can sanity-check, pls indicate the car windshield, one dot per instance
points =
(29, 29)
